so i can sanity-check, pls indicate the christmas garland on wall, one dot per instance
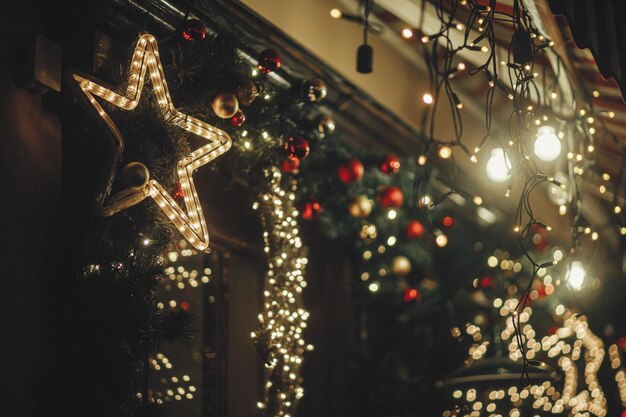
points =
(388, 205)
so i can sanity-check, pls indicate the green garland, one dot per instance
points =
(118, 271)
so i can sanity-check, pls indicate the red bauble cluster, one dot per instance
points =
(350, 171)
(414, 229)
(290, 164)
(238, 119)
(311, 209)
(412, 294)
(269, 60)
(194, 30)
(391, 196)
(390, 165)
(297, 147)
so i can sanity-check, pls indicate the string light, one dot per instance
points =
(407, 33)
(445, 152)
(576, 275)
(283, 320)
(547, 146)
(498, 165)
(191, 224)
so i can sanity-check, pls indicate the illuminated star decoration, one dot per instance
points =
(191, 224)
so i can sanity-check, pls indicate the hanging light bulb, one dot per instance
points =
(498, 165)
(576, 275)
(547, 145)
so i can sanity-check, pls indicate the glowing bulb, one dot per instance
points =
(498, 165)
(407, 33)
(547, 145)
(336, 13)
(576, 275)
(441, 240)
(445, 152)
(421, 160)
(427, 98)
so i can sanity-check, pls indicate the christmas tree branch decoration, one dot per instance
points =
(283, 319)
(191, 223)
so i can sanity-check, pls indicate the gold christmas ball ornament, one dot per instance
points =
(135, 174)
(401, 265)
(246, 93)
(360, 207)
(225, 105)
(315, 90)
(325, 126)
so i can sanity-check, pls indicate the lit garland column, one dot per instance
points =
(283, 319)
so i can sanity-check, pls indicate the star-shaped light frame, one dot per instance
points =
(191, 224)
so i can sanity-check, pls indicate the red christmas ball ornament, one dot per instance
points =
(447, 221)
(412, 294)
(184, 306)
(194, 30)
(414, 229)
(486, 282)
(238, 119)
(391, 196)
(290, 164)
(390, 165)
(269, 60)
(177, 193)
(311, 209)
(350, 171)
(297, 147)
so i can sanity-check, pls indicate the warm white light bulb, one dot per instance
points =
(547, 145)
(498, 165)
(428, 98)
(336, 13)
(576, 275)
(407, 33)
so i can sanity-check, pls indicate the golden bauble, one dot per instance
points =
(401, 265)
(225, 105)
(135, 175)
(325, 126)
(315, 90)
(246, 92)
(360, 207)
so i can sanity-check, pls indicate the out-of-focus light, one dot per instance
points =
(407, 33)
(427, 98)
(336, 13)
(498, 165)
(441, 240)
(576, 275)
(547, 145)
(445, 152)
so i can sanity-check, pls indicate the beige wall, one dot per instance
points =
(395, 82)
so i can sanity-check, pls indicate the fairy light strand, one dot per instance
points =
(279, 338)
